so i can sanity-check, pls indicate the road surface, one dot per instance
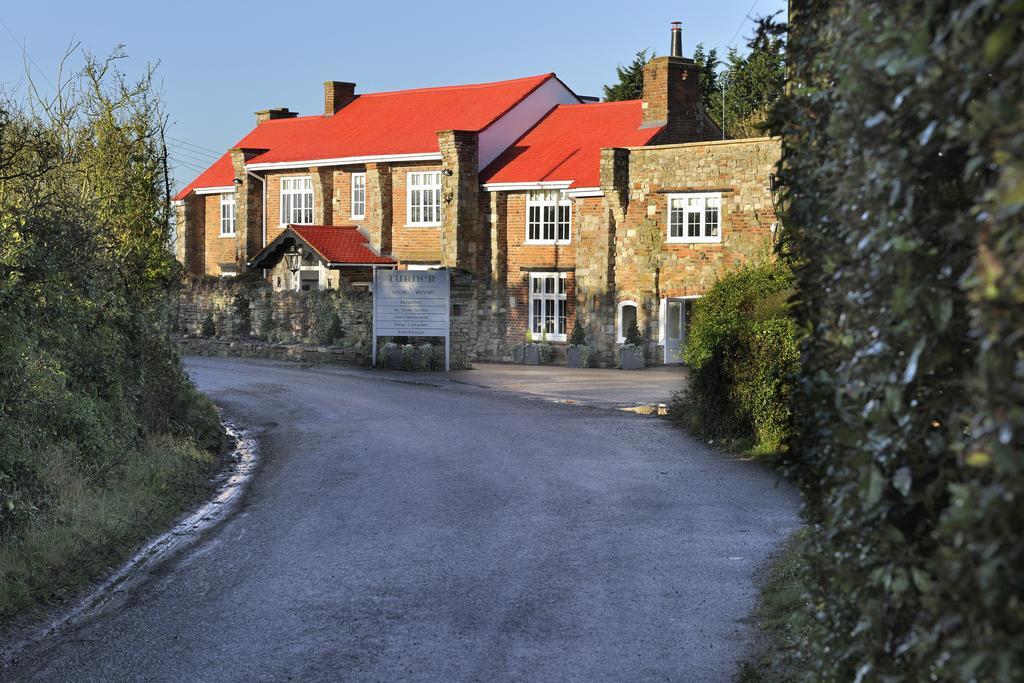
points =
(395, 531)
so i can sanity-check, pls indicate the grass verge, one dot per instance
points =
(784, 621)
(95, 521)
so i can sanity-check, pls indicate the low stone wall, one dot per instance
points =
(200, 346)
(250, 319)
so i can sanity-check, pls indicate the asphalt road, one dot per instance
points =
(395, 531)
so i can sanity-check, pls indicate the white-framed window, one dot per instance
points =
(547, 305)
(624, 319)
(423, 198)
(227, 214)
(358, 195)
(548, 217)
(422, 266)
(695, 217)
(297, 200)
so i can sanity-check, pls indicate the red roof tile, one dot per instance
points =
(340, 244)
(566, 144)
(400, 122)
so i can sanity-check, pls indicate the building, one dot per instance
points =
(563, 209)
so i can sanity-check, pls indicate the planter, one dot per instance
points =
(531, 354)
(394, 358)
(631, 357)
(579, 356)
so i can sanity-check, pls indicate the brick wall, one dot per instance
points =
(415, 244)
(647, 268)
(218, 250)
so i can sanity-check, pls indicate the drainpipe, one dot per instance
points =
(263, 208)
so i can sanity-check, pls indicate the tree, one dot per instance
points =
(707, 68)
(752, 83)
(631, 80)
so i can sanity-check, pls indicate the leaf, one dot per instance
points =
(911, 370)
(872, 490)
(902, 480)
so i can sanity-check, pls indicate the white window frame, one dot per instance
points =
(694, 211)
(422, 266)
(620, 330)
(359, 195)
(417, 185)
(544, 210)
(293, 187)
(228, 215)
(558, 295)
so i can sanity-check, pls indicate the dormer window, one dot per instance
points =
(297, 200)
(548, 217)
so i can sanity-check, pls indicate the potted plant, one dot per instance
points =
(631, 354)
(532, 352)
(579, 354)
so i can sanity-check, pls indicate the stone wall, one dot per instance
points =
(249, 312)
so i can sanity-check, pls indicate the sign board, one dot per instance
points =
(411, 303)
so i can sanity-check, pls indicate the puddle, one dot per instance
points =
(230, 485)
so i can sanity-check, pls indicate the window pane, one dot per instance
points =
(561, 316)
(711, 222)
(536, 315)
(674, 324)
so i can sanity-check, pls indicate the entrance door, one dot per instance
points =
(675, 330)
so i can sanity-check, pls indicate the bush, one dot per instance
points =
(244, 316)
(579, 335)
(743, 352)
(904, 180)
(326, 324)
(208, 328)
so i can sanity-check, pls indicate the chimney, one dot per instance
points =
(279, 113)
(677, 39)
(672, 96)
(337, 94)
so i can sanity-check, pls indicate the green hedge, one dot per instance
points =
(903, 173)
(742, 351)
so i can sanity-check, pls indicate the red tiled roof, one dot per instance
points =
(566, 144)
(400, 122)
(340, 244)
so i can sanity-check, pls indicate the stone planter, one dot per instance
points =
(631, 357)
(574, 356)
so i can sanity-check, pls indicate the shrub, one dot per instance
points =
(633, 336)
(326, 325)
(427, 357)
(903, 177)
(208, 328)
(743, 352)
(579, 335)
(243, 315)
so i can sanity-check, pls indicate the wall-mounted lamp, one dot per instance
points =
(447, 173)
(238, 181)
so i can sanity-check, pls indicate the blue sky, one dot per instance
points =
(221, 61)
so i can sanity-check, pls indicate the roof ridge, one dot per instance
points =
(465, 86)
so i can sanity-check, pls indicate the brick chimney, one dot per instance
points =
(279, 113)
(337, 94)
(672, 96)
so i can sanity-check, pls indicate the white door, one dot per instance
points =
(675, 329)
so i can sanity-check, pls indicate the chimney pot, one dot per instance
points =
(677, 39)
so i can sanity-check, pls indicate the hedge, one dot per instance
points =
(903, 174)
(742, 351)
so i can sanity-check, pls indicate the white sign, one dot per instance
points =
(411, 303)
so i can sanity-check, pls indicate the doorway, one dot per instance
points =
(675, 317)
